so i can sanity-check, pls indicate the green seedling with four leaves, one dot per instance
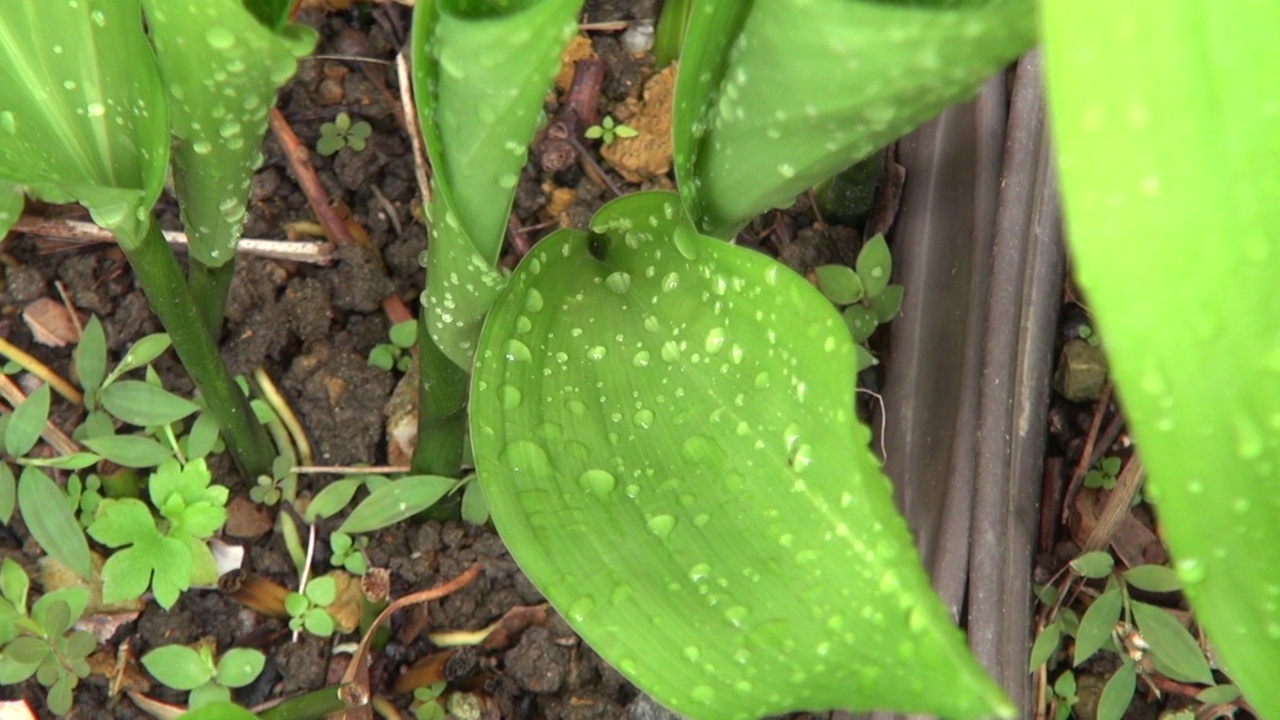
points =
(427, 701)
(863, 293)
(608, 129)
(194, 669)
(1104, 474)
(343, 133)
(42, 643)
(348, 553)
(307, 608)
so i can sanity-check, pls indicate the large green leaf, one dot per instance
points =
(222, 68)
(663, 428)
(1169, 131)
(480, 73)
(774, 97)
(83, 114)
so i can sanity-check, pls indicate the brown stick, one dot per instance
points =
(87, 233)
(583, 97)
(1086, 454)
(355, 681)
(300, 163)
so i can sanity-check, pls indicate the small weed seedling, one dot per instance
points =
(1103, 476)
(1145, 639)
(1088, 335)
(40, 643)
(343, 133)
(348, 553)
(609, 129)
(427, 702)
(307, 609)
(194, 669)
(864, 294)
(395, 354)
(167, 556)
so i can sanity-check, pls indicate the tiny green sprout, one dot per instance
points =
(348, 553)
(1064, 691)
(609, 129)
(166, 556)
(266, 491)
(307, 609)
(1088, 335)
(863, 293)
(41, 643)
(84, 496)
(428, 703)
(395, 354)
(343, 133)
(1104, 475)
(194, 669)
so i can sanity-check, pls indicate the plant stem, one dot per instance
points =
(670, 35)
(312, 706)
(442, 409)
(171, 300)
(209, 287)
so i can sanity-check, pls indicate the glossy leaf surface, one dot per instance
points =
(663, 429)
(222, 67)
(75, 124)
(480, 72)
(1171, 172)
(774, 97)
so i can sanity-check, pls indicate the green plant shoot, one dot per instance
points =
(222, 66)
(88, 118)
(343, 133)
(478, 142)
(810, 87)
(42, 643)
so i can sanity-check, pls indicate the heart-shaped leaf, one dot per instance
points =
(663, 427)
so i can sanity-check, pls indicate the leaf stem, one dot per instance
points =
(209, 286)
(172, 302)
(442, 409)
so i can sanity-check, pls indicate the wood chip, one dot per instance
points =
(51, 323)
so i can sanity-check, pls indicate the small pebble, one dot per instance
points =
(638, 38)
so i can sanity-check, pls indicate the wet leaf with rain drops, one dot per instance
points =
(663, 429)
